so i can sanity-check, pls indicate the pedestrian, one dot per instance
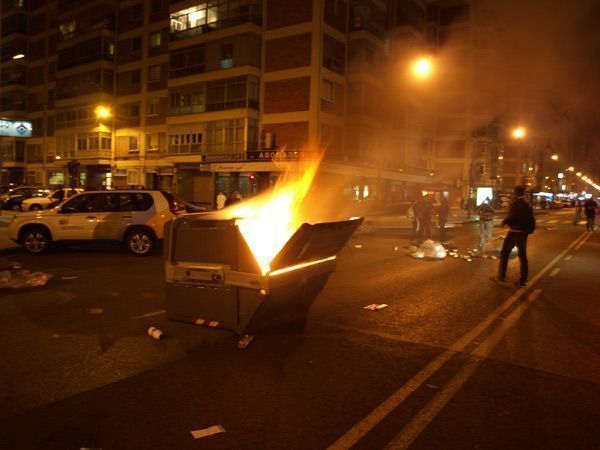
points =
(233, 198)
(590, 205)
(424, 218)
(442, 211)
(577, 217)
(221, 199)
(486, 222)
(412, 213)
(521, 223)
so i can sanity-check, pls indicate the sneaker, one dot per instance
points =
(497, 280)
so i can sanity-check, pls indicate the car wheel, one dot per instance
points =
(36, 240)
(35, 207)
(140, 242)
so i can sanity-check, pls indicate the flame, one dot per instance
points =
(268, 221)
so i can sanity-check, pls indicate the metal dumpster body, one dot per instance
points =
(214, 280)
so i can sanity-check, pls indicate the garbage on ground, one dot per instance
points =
(155, 333)
(205, 432)
(18, 279)
(245, 341)
(375, 306)
(429, 250)
(358, 246)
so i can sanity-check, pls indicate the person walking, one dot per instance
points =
(221, 199)
(486, 222)
(590, 206)
(521, 223)
(443, 210)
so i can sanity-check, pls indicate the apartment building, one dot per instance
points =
(199, 96)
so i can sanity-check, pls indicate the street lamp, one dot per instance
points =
(519, 133)
(571, 169)
(19, 56)
(102, 112)
(554, 157)
(422, 67)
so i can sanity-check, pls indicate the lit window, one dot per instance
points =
(328, 91)
(226, 56)
(155, 39)
(153, 107)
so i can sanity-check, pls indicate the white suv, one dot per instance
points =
(135, 217)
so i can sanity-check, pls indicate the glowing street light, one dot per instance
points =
(578, 174)
(571, 169)
(554, 157)
(102, 112)
(19, 56)
(422, 67)
(519, 133)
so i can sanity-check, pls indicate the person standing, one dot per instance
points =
(486, 222)
(221, 199)
(424, 217)
(590, 206)
(521, 223)
(412, 214)
(577, 217)
(443, 211)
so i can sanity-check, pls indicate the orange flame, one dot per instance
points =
(268, 221)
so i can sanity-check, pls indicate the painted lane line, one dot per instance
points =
(552, 221)
(416, 426)
(582, 241)
(554, 272)
(150, 314)
(568, 257)
(358, 431)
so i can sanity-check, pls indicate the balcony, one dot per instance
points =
(12, 152)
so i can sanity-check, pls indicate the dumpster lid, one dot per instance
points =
(315, 242)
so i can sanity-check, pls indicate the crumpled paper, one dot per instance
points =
(19, 279)
(428, 250)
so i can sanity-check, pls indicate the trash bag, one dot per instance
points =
(429, 250)
(18, 279)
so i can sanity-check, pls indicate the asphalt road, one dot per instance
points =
(454, 362)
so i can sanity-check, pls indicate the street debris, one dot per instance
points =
(358, 246)
(205, 432)
(428, 250)
(245, 341)
(18, 279)
(375, 306)
(95, 310)
(155, 333)
(395, 249)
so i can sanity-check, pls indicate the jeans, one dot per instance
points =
(485, 231)
(589, 222)
(512, 239)
(424, 231)
(442, 226)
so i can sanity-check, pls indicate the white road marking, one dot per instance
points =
(151, 314)
(414, 428)
(568, 257)
(583, 241)
(554, 272)
(358, 431)
(552, 221)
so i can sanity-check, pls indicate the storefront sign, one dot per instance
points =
(216, 157)
(281, 155)
(15, 128)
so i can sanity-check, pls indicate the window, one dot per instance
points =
(136, 44)
(82, 142)
(134, 110)
(133, 144)
(137, 11)
(153, 107)
(142, 201)
(134, 77)
(152, 142)
(328, 91)
(155, 6)
(155, 39)
(226, 56)
(154, 73)
(81, 204)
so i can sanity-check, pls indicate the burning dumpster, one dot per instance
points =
(214, 277)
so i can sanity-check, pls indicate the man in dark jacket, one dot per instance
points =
(521, 224)
(589, 205)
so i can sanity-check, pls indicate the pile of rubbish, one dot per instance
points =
(428, 250)
(13, 276)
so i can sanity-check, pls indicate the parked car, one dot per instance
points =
(14, 197)
(134, 217)
(51, 200)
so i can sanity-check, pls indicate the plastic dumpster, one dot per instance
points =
(214, 280)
